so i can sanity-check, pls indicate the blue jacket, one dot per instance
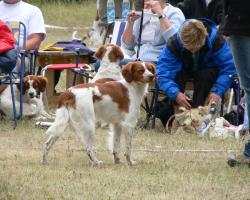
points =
(215, 53)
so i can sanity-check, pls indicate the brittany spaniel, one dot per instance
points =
(109, 70)
(115, 102)
(31, 105)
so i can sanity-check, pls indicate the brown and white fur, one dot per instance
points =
(109, 70)
(115, 102)
(31, 105)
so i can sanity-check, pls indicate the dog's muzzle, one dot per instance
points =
(31, 94)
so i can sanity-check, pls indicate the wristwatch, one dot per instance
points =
(162, 16)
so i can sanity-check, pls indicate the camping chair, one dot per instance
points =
(118, 28)
(15, 77)
(77, 68)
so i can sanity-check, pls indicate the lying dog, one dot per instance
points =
(115, 102)
(109, 70)
(31, 105)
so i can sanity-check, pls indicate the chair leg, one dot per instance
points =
(155, 104)
(222, 106)
(13, 103)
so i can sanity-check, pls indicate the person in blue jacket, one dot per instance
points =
(195, 51)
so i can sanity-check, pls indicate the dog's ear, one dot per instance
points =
(99, 52)
(42, 82)
(127, 72)
(152, 69)
(120, 54)
(24, 83)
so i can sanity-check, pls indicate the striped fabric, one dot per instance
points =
(118, 30)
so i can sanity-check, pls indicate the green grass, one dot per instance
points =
(71, 175)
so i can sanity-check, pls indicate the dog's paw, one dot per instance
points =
(99, 162)
(131, 163)
(117, 161)
(44, 162)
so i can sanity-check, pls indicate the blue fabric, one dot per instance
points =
(8, 61)
(71, 45)
(240, 46)
(168, 66)
(247, 149)
(246, 121)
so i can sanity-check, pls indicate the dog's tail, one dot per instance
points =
(62, 113)
(74, 36)
(61, 122)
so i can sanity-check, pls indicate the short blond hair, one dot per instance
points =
(193, 34)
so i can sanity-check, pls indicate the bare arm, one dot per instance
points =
(34, 41)
(127, 36)
(158, 9)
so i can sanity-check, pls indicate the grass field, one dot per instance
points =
(166, 169)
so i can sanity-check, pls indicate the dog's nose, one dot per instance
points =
(31, 94)
(151, 77)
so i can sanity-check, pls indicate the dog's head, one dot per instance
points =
(109, 51)
(139, 71)
(31, 84)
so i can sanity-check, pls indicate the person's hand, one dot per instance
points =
(213, 98)
(132, 17)
(182, 100)
(155, 7)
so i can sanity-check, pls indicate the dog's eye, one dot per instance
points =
(35, 86)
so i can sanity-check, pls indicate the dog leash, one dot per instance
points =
(139, 44)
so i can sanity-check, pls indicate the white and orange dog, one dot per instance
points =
(31, 105)
(109, 70)
(115, 102)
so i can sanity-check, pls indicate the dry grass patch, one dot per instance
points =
(158, 175)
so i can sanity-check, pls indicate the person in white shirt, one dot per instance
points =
(31, 16)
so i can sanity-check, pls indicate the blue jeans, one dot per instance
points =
(121, 63)
(246, 122)
(240, 46)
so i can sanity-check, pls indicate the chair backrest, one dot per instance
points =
(115, 38)
(15, 27)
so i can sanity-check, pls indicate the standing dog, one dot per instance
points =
(115, 102)
(31, 105)
(109, 70)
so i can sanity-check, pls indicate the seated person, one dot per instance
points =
(195, 51)
(202, 9)
(155, 33)
(8, 54)
(31, 16)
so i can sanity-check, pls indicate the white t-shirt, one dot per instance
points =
(30, 15)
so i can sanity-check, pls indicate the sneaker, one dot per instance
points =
(238, 159)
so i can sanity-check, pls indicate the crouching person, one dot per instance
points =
(196, 51)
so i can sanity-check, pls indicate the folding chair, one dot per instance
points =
(15, 77)
(118, 28)
(77, 68)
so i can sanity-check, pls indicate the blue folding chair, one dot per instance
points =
(14, 77)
